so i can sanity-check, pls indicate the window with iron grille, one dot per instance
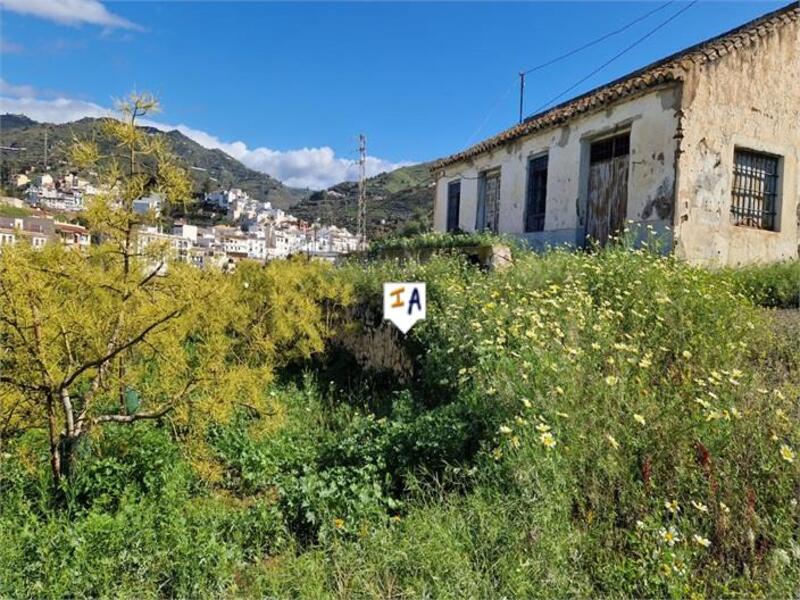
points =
(537, 194)
(609, 148)
(453, 205)
(754, 194)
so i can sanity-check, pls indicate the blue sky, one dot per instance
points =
(287, 87)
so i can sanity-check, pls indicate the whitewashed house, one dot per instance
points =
(702, 146)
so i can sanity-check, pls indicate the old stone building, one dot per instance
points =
(703, 146)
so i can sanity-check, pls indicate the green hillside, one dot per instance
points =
(397, 201)
(212, 168)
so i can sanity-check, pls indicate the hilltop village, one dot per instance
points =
(249, 229)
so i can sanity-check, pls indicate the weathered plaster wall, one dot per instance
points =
(652, 121)
(749, 98)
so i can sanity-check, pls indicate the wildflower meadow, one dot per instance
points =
(613, 423)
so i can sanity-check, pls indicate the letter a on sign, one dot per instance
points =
(404, 304)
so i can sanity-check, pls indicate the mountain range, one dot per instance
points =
(397, 200)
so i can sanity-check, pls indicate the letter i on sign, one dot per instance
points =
(404, 304)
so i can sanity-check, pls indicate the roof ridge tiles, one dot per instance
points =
(669, 68)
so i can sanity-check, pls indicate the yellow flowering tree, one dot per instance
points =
(123, 333)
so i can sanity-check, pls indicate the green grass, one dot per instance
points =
(773, 285)
(566, 417)
(14, 212)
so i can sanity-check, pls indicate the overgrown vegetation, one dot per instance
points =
(774, 285)
(580, 424)
(14, 212)
(433, 241)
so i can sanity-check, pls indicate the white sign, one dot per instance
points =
(404, 304)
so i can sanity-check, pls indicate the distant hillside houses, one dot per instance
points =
(223, 246)
(257, 231)
(38, 231)
(66, 193)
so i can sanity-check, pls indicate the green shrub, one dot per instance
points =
(615, 423)
(772, 285)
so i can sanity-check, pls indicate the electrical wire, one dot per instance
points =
(579, 49)
(598, 40)
(619, 55)
(499, 101)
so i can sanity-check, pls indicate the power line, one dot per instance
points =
(570, 53)
(490, 113)
(619, 54)
(596, 41)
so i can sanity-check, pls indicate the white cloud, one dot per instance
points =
(16, 91)
(60, 110)
(69, 12)
(315, 168)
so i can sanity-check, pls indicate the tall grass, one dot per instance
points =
(611, 424)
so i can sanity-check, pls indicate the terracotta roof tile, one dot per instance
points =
(671, 68)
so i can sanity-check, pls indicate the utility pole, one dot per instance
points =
(361, 221)
(45, 151)
(521, 92)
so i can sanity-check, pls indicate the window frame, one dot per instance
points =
(480, 216)
(743, 195)
(539, 215)
(453, 224)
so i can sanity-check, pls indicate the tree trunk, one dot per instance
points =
(63, 446)
(55, 451)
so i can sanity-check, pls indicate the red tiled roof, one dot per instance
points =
(70, 228)
(671, 68)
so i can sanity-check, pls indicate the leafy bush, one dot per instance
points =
(607, 424)
(627, 411)
(772, 285)
(435, 240)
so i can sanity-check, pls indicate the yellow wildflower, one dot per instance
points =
(672, 507)
(787, 453)
(547, 439)
(724, 507)
(639, 419)
(338, 523)
(542, 427)
(614, 443)
(701, 541)
(505, 430)
(612, 380)
(669, 536)
(700, 506)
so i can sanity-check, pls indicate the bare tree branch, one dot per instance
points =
(131, 418)
(117, 349)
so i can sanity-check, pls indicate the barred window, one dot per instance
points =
(755, 189)
(609, 148)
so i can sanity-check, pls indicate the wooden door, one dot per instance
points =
(607, 203)
(489, 202)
